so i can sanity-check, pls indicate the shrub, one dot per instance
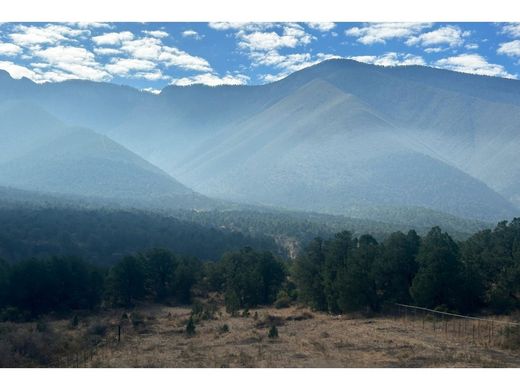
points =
(273, 332)
(224, 328)
(190, 327)
(282, 300)
(74, 321)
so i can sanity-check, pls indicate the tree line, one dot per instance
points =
(33, 287)
(359, 274)
(342, 274)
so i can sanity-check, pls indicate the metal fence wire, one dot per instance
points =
(467, 329)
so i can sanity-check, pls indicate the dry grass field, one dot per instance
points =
(155, 336)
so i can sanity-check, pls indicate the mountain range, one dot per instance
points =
(340, 137)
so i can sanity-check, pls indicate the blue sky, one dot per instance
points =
(152, 55)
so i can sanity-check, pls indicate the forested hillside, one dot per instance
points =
(342, 274)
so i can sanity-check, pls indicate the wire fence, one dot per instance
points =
(479, 331)
(83, 357)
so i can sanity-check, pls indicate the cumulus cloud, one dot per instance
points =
(76, 61)
(151, 76)
(57, 53)
(151, 90)
(91, 25)
(212, 80)
(28, 36)
(511, 49)
(191, 34)
(434, 49)
(152, 49)
(156, 33)
(322, 26)
(512, 29)
(172, 56)
(17, 71)
(475, 64)
(112, 39)
(265, 41)
(123, 66)
(372, 33)
(9, 49)
(391, 59)
(240, 26)
(447, 35)
(106, 51)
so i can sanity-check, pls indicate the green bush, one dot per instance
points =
(190, 327)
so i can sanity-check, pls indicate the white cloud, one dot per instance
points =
(50, 34)
(90, 25)
(265, 41)
(68, 54)
(447, 35)
(17, 71)
(191, 34)
(152, 49)
(434, 49)
(381, 32)
(473, 63)
(123, 66)
(106, 51)
(151, 90)
(152, 76)
(76, 61)
(391, 59)
(511, 49)
(240, 26)
(9, 49)
(84, 72)
(471, 46)
(112, 39)
(156, 33)
(212, 80)
(172, 56)
(144, 48)
(322, 26)
(512, 29)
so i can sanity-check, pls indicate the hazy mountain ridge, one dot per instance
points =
(335, 137)
(40, 153)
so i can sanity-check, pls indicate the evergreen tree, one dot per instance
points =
(160, 268)
(439, 278)
(357, 289)
(395, 267)
(307, 270)
(127, 281)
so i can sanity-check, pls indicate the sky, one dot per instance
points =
(150, 56)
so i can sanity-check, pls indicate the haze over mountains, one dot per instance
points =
(340, 137)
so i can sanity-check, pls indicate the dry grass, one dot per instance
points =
(154, 336)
